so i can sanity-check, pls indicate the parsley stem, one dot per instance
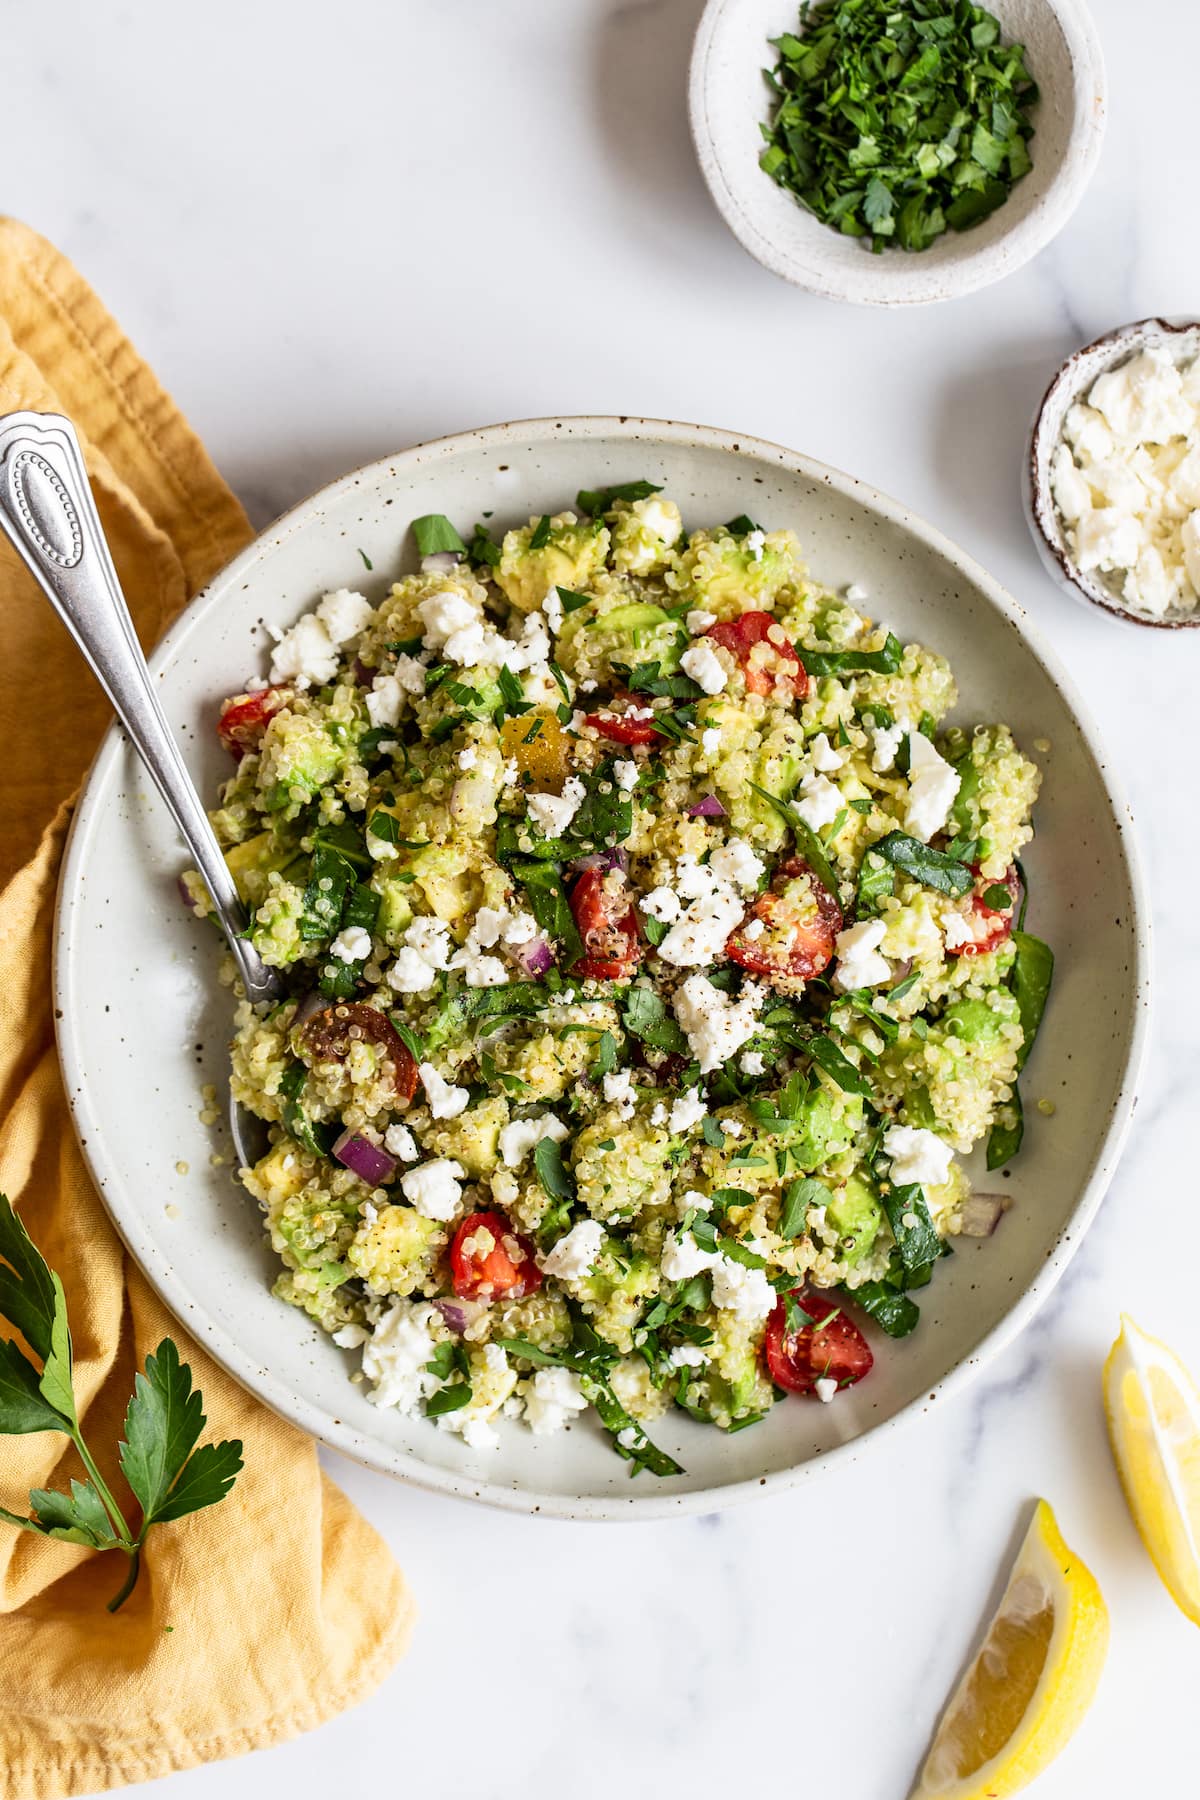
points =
(101, 1486)
(130, 1582)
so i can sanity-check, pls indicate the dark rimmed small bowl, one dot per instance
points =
(1071, 383)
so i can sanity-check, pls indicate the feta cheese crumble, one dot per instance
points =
(445, 1100)
(919, 1158)
(550, 1399)
(574, 1255)
(552, 813)
(435, 1188)
(932, 786)
(859, 964)
(353, 944)
(1125, 477)
(716, 1024)
(705, 667)
(524, 1135)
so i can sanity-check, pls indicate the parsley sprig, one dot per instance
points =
(899, 119)
(165, 1471)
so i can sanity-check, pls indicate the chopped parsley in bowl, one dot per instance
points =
(654, 955)
(897, 120)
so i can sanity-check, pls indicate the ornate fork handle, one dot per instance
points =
(47, 510)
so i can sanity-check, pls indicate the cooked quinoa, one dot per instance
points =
(654, 954)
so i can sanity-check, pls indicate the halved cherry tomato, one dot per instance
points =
(328, 1035)
(778, 662)
(990, 925)
(608, 926)
(620, 720)
(488, 1259)
(800, 925)
(244, 718)
(797, 1360)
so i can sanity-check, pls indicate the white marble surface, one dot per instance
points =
(338, 231)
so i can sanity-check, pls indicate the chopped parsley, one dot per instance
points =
(896, 120)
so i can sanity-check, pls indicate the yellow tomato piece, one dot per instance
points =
(541, 747)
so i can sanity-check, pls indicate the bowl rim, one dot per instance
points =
(913, 283)
(1040, 509)
(406, 1465)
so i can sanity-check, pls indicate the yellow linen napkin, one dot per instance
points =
(266, 1615)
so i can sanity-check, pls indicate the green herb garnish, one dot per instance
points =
(895, 121)
(935, 868)
(595, 501)
(435, 535)
(166, 1473)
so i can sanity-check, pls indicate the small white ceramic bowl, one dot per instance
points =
(1181, 337)
(728, 98)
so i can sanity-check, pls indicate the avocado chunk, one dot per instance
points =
(855, 1213)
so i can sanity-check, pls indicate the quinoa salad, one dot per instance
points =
(655, 951)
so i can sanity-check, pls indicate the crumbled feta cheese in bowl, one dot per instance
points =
(1115, 474)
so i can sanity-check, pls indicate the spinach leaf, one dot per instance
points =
(1004, 1139)
(807, 842)
(1033, 971)
(646, 1017)
(480, 548)
(595, 501)
(541, 533)
(549, 905)
(798, 1196)
(933, 867)
(853, 662)
(918, 1243)
(742, 526)
(891, 1309)
(876, 881)
(329, 881)
(435, 535)
(839, 1068)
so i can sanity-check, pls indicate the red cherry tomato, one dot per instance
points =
(619, 720)
(989, 925)
(608, 926)
(778, 662)
(800, 920)
(797, 1360)
(327, 1037)
(243, 719)
(488, 1259)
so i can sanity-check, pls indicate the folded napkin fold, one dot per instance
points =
(270, 1613)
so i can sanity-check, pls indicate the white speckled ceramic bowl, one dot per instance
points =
(143, 1021)
(728, 98)
(1181, 337)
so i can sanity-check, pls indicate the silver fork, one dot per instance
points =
(47, 510)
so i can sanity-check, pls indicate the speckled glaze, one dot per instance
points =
(728, 97)
(1073, 380)
(143, 1022)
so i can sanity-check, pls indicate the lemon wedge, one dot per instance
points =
(1031, 1683)
(1153, 1410)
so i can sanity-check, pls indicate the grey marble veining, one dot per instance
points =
(336, 239)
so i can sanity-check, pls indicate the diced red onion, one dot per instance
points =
(361, 674)
(903, 969)
(708, 808)
(364, 1159)
(982, 1213)
(600, 859)
(458, 1314)
(440, 562)
(535, 957)
(186, 895)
